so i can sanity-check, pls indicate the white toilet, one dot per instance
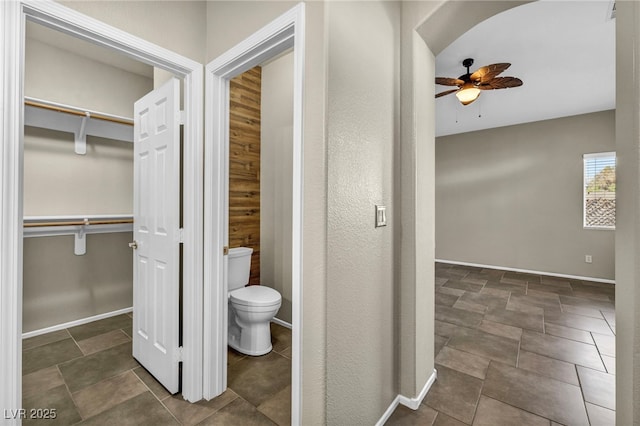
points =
(250, 308)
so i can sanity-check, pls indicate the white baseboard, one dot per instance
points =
(280, 322)
(413, 403)
(75, 323)
(527, 271)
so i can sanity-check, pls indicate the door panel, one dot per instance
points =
(156, 216)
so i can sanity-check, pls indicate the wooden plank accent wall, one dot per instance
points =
(244, 165)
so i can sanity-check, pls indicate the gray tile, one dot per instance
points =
(568, 333)
(491, 412)
(578, 321)
(444, 420)
(278, 407)
(610, 317)
(57, 399)
(559, 370)
(561, 349)
(491, 298)
(44, 339)
(463, 362)
(599, 416)
(470, 306)
(444, 329)
(555, 281)
(543, 288)
(154, 386)
(91, 369)
(143, 410)
(280, 337)
(606, 344)
(540, 395)
(498, 329)
(439, 344)
(238, 412)
(41, 381)
(539, 299)
(257, 378)
(512, 288)
(516, 319)
(598, 388)
(518, 306)
(462, 285)
(95, 328)
(474, 279)
(581, 310)
(457, 316)
(609, 363)
(455, 394)
(48, 355)
(103, 341)
(486, 345)
(445, 299)
(108, 393)
(579, 301)
(403, 416)
(450, 291)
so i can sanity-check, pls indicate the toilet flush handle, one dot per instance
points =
(133, 245)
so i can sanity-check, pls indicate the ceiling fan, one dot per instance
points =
(471, 85)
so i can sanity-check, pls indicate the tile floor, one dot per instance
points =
(519, 349)
(88, 375)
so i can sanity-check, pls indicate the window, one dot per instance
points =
(600, 190)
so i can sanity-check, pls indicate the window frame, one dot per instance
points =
(585, 158)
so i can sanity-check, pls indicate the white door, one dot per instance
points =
(156, 223)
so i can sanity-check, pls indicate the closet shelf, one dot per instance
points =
(79, 226)
(78, 121)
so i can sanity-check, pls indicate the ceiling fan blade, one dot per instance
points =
(486, 73)
(446, 93)
(501, 83)
(449, 81)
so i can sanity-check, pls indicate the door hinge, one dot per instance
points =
(179, 354)
(181, 235)
(181, 117)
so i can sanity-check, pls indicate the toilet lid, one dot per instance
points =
(255, 295)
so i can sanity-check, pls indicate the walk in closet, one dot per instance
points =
(78, 179)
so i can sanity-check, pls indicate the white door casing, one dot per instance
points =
(156, 230)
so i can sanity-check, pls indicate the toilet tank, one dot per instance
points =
(238, 267)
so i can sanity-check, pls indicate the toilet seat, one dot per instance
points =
(255, 296)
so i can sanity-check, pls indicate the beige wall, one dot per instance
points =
(362, 129)
(627, 214)
(512, 196)
(59, 286)
(276, 171)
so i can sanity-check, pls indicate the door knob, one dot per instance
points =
(133, 245)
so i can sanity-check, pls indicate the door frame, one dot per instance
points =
(13, 16)
(283, 33)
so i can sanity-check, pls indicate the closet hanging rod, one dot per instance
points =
(78, 223)
(38, 103)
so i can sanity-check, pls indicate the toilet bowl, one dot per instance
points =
(251, 308)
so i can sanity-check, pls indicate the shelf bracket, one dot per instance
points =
(80, 243)
(81, 135)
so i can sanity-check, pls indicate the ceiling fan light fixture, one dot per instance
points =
(467, 93)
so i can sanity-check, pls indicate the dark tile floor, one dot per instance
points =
(88, 375)
(519, 349)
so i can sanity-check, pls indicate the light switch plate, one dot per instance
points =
(381, 216)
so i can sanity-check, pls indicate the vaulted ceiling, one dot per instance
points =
(563, 51)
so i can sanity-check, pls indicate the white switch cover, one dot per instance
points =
(381, 216)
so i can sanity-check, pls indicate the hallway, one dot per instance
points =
(514, 348)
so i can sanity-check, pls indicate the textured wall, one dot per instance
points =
(512, 196)
(627, 225)
(276, 179)
(363, 77)
(244, 165)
